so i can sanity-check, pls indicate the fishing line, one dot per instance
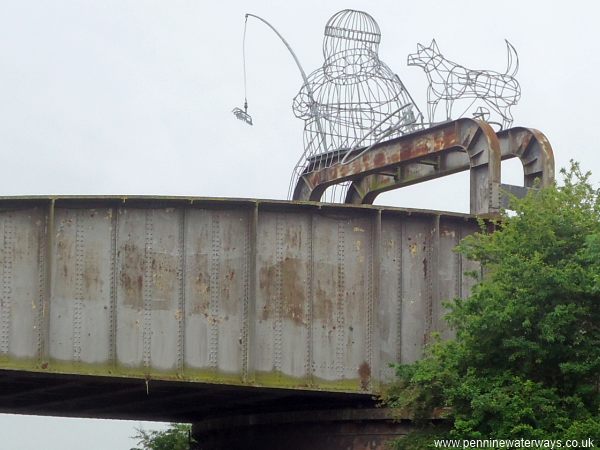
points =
(244, 64)
(240, 113)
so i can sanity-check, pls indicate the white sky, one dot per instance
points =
(135, 97)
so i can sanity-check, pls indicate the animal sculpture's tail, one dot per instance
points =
(513, 60)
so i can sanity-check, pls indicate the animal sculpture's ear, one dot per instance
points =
(420, 47)
(434, 44)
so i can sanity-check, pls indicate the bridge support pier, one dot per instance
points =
(355, 429)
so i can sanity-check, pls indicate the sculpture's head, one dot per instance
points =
(425, 56)
(350, 30)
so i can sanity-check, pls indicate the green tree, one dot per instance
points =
(526, 359)
(176, 437)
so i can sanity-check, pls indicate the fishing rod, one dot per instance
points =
(243, 114)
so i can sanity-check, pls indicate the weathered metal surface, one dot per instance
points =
(242, 292)
(470, 142)
(529, 145)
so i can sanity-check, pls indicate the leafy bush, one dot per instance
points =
(526, 358)
(176, 437)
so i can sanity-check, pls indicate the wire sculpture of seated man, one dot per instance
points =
(354, 100)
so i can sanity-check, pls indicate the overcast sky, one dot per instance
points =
(135, 97)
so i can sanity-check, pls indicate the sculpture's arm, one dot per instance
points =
(302, 104)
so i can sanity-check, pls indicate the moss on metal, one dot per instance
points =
(210, 376)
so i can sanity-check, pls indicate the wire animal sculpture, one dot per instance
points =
(451, 82)
(353, 101)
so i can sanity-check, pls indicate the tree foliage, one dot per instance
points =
(526, 359)
(176, 437)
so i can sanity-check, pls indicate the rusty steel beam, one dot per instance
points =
(367, 188)
(467, 140)
(529, 145)
(534, 151)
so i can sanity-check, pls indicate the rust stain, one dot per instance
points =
(379, 159)
(293, 290)
(202, 284)
(266, 283)
(64, 254)
(364, 374)
(178, 315)
(230, 302)
(92, 280)
(131, 277)
(293, 237)
(413, 249)
(200, 296)
(293, 295)
(200, 308)
(66, 259)
(323, 308)
(164, 280)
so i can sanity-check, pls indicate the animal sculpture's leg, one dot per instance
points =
(432, 102)
(503, 111)
(449, 104)
(497, 109)
(432, 108)
(507, 118)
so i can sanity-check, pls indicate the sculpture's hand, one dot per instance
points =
(303, 105)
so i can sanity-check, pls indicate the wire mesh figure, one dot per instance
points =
(450, 82)
(354, 100)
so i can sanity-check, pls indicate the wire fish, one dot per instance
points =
(242, 115)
